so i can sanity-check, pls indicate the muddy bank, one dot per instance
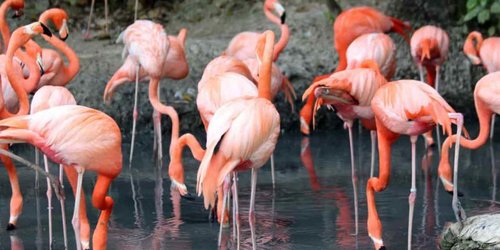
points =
(211, 26)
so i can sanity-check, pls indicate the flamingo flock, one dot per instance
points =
(235, 102)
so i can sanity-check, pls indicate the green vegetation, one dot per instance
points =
(483, 14)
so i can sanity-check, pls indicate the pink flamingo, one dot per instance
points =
(403, 107)
(82, 139)
(17, 6)
(174, 65)
(350, 92)
(45, 98)
(485, 52)
(242, 46)
(373, 46)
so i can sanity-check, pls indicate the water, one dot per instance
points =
(311, 207)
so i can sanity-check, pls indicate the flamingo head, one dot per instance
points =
(17, 6)
(277, 7)
(60, 18)
(471, 50)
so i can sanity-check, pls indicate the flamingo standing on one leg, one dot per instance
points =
(350, 92)
(348, 26)
(106, 11)
(242, 46)
(47, 97)
(175, 66)
(429, 49)
(487, 52)
(403, 107)
(487, 103)
(82, 139)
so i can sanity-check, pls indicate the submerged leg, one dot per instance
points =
(251, 211)
(87, 32)
(373, 137)
(226, 184)
(135, 114)
(160, 143)
(353, 177)
(457, 208)
(79, 221)
(49, 199)
(413, 190)
(16, 200)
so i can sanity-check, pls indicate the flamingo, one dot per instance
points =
(173, 65)
(12, 73)
(45, 98)
(349, 92)
(486, 100)
(378, 47)
(406, 107)
(485, 52)
(87, 32)
(429, 49)
(17, 6)
(82, 139)
(242, 46)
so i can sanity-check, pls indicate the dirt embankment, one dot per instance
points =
(212, 25)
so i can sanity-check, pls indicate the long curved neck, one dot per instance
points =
(271, 16)
(163, 109)
(265, 70)
(281, 44)
(31, 82)
(4, 27)
(73, 67)
(15, 79)
(479, 40)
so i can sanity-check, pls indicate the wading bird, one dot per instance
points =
(404, 107)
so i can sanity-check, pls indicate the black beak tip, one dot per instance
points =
(64, 38)
(46, 30)
(283, 18)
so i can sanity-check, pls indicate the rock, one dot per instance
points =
(477, 232)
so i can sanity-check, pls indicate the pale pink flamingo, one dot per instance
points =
(404, 107)
(45, 98)
(487, 103)
(372, 46)
(486, 52)
(82, 139)
(173, 65)
(349, 93)
(242, 46)
(429, 49)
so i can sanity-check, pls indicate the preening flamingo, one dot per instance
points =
(486, 52)
(487, 102)
(45, 98)
(349, 93)
(429, 49)
(173, 64)
(242, 46)
(82, 139)
(404, 107)
(377, 47)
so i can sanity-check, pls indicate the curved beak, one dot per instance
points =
(64, 31)
(18, 13)
(40, 63)
(280, 10)
(46, 30)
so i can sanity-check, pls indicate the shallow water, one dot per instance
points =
(310, 208)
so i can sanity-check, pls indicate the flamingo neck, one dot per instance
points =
(342, 60)
(31, 82)
(265, 69)
(70, 71)
(4, 27)
(16, 78)
(281, 44)
(274, 19)
(175, 168)
(164, 109)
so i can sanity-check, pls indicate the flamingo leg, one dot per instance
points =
(105, 203)
(16, 200)
(157, 125)
(136, 8)
(49, 199)
(272, 170)
(106, 10)
(353, 176)
(492, 127)
(226, 184)
(457, 208)
(236, 215)
(413, 190)
(438, 136)
(421, 73)
(87, 32)
(76, 220)
(37, 162)
(493, 175)
(135, 114)
(373, 138)
(63, 211)
(436, 85)
(79, 221)
(251, 211)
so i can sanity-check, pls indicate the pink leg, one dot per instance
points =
(373, 137)
(135, 114)
(457, 208)
(236, 215)
(348, 124)
(251, 211)
(87, 32)
(226, 184)
(16, 200)
(413, 190)
(106, 10)
(63, 210)
(49, 199)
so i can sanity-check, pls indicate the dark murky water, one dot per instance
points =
(311, 207)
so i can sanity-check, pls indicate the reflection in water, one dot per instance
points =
(16, 243)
